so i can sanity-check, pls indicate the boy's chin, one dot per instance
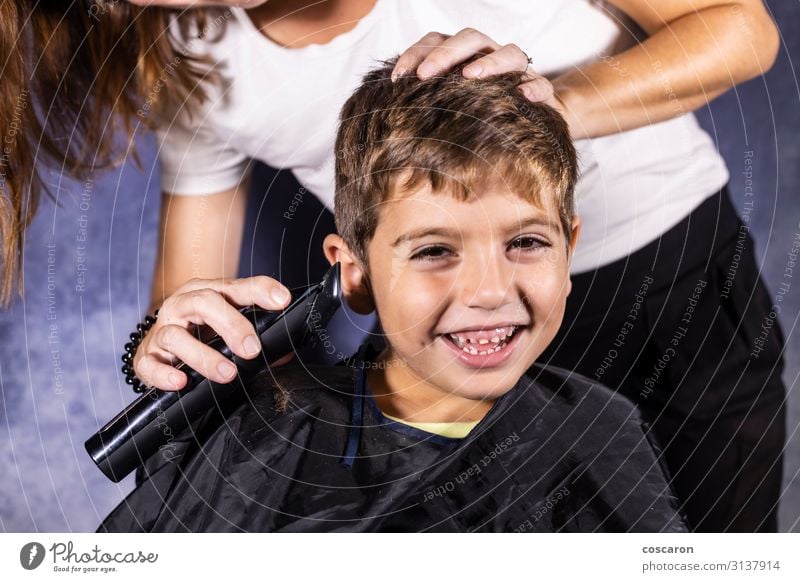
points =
(482, 388)
(483, 383)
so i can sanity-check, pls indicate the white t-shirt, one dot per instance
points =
(280, 105)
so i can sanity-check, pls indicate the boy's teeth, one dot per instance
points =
(482, 337)
(475, 352)
(469, 341)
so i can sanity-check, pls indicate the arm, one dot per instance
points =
(200, 238)
(697, 50)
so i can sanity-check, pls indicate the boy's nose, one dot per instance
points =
(486, 284)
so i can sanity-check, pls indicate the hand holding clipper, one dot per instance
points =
(138, 431)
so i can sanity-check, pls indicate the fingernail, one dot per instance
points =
(226, 369)
(397, 73)
(473, 71)
(251, 345)
(529, 93)
(425, 70)
(280, 295)
(174, 379)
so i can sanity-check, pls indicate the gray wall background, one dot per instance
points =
(90, 253)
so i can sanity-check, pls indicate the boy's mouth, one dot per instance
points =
(486, 347)
(483, 342)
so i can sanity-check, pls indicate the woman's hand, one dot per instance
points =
(435, 53)
(212, 302)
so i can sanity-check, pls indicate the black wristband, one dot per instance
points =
(130, 351)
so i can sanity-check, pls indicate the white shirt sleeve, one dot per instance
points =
(195, 161)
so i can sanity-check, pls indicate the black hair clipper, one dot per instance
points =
(137, 432)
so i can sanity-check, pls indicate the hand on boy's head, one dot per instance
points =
(211, 302)
(436, 53)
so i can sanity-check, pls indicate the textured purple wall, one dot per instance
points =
(88, 262)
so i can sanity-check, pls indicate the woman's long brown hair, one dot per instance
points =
(73, 73)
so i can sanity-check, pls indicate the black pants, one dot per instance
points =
(686, 329)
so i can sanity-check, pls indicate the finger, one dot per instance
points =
(260, 290)
(210, 307)
(537, 90)
(263, 291)
(153, 372)
(454, 50)
(416, 53)
(197, 355)
(507, 58)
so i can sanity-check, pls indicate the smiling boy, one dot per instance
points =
(468, 294)
(456, 224)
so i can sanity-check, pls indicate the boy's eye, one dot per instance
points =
(528, 243)
(431, 253)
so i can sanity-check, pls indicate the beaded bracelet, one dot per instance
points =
(130, 351)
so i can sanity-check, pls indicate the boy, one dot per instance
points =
(455, 215)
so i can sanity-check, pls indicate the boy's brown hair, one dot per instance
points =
(449, 131)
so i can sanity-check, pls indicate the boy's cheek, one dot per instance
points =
(418, 290)
(545, 287)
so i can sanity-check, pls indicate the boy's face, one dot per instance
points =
(468, 294)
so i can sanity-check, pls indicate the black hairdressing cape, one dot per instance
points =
(556, 453)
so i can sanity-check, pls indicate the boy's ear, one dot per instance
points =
(576, 231)
(354, 279)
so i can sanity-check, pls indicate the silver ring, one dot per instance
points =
(530, 60)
